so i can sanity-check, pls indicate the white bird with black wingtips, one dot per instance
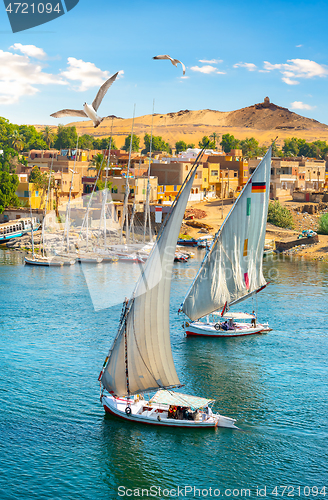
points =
(173, 61)
(89, 111)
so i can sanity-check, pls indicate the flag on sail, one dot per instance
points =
(232, 269)
(258, 187)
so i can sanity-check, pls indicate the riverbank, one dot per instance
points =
(216, 213)
(212, 213)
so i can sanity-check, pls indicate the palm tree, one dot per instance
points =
(17, 140)
(48, 136)
(98, 164)
(214, 136)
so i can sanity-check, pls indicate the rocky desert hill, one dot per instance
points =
(264, 121)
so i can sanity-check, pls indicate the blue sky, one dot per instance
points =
(235, 55)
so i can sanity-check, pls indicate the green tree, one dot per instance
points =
(250, 147)
(135, 143)
(6, 130)
(66, 137)
(17, 140)
(275, 150)
(8, 185)
(228, 142)
(180, 146)
(32, 138)
(291, 147)
(214, 137)
(98, 163)
(323, 224)
(206, 143)
(157, 144)
(48, 136)
(86, 142)
(103, 143)
(8, 160)
(280, 216)
(35, 175)
(191, 146)
(323, 148)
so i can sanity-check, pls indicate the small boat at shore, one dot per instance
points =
(140, 359)
(42, 261)
(232, 269)
(17, 228)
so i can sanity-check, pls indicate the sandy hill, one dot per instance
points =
(264, 121)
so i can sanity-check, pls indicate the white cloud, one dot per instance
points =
(221, 72)
(298, 68)
(289, 81)
(184, 77)
(207, 69)
(29, 50)
(86, 73)
(211, 61)
(301, 105)
(18, 77)
(249, 66)
(299, 45)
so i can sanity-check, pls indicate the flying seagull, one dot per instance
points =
(173, 61)
(89, 111)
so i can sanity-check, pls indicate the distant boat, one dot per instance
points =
(140, 359)
(16, 228)
(231, 271)
(43, 261)
(190, 242)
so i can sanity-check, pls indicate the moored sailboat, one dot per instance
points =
(231, 271)
(140, 359)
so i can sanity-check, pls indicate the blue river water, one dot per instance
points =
(57, 444)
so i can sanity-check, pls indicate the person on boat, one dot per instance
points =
(187, 414)
(231, 325)
(253, 322)
(225, 325)
(172, 413)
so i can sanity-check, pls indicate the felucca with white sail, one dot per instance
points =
(231, 271)
(140, 360)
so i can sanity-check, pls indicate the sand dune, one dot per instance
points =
(264, 121)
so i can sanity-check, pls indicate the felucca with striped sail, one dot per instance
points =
(232, 269)
(140, 360)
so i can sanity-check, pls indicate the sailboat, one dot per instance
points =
(140, 360)
(231, 271)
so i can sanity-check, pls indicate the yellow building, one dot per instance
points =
(138, 188)
(30, 195)
(168, 193)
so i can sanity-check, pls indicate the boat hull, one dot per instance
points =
(43, 262)
(200, 329)
(157, 415)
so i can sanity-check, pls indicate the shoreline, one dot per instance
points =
(213, 214)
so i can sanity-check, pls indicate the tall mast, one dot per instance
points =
(32, 236)
(45, 208)
(147, 208)
(127, 189)
(105, 198)
(68, 207)
(86, 217)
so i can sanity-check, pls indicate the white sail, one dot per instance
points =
(141, 358)
(232, 269)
